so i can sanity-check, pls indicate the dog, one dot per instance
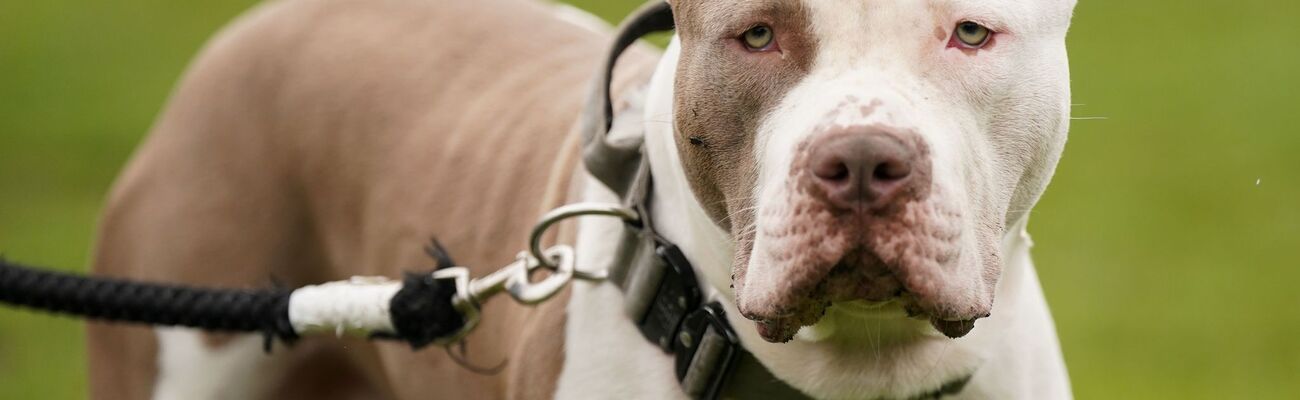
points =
(850, 179)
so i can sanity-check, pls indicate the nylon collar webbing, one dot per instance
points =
(615, 163)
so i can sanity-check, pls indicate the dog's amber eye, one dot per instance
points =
(972, 35)
(758, 37)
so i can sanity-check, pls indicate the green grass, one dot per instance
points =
(1170, 271)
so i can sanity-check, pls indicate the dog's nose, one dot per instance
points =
(861, 168)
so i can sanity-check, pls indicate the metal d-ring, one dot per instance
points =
(573, 211)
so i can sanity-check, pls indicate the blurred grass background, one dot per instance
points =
(1167, 244)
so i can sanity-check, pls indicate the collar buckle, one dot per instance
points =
(660, 287)
(706, 348)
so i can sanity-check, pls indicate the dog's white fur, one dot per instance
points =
(188, 369)
(1013, 354)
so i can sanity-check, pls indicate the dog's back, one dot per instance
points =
(316, 140)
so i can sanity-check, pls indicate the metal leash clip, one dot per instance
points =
(515, 277)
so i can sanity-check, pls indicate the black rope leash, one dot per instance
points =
(222, 310)
(421, 311)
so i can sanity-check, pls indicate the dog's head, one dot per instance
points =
(868, 152)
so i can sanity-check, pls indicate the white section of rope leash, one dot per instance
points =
(360, 305)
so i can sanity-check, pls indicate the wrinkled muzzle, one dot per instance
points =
(860, 216)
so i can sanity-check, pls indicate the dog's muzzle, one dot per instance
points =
(860, 221)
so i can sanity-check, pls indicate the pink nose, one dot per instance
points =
(862, 168)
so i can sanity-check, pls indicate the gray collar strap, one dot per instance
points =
(661, 294)
(615, 162)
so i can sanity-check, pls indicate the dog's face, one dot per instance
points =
(867, 152)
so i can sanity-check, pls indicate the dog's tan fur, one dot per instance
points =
(320, 139)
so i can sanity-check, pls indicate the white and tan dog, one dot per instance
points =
(851, 178)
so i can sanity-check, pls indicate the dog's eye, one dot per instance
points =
(972, 35)
(759, 38)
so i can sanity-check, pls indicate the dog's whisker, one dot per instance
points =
(876, 340)
(1028, 211)
(737, 213)
(746, 198)
(749, 229)
(1089, 118)
(746, 230)
(938, 359)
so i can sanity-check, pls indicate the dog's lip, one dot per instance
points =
(861, 285)
(811, 306)
(953, 328)
(864, 308)
(783, 328)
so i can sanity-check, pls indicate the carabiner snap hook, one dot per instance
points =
(527, 292)
(513, 278)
